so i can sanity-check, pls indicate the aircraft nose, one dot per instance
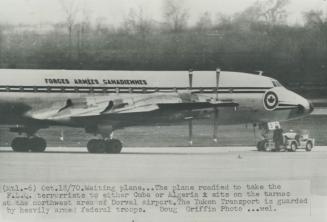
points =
(306, 107)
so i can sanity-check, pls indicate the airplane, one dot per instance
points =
(104, 101)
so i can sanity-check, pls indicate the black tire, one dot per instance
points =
(20, 144)
(308, 146)
(260, 145)
(113, 146)
(37, 144)
(293, 147)
(96, 146)
(265, 145)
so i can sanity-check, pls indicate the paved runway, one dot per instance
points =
(165, 165)
(172, 166)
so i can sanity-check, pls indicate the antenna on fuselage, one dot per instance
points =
(260, 72)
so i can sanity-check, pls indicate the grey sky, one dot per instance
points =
(113, 11)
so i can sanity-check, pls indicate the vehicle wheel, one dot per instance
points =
(37, 144)
(113, 146)
(20, 144)
(259, 146)
(293, 147)
(96, 146)
(309, 146)
(265, 145)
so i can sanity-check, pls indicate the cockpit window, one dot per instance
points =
(276, 83)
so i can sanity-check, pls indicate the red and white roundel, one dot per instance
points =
(270, 101)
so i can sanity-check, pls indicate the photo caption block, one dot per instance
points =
(114, 199)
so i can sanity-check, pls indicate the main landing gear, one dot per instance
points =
(107, 144)
(26, 144)
(104, 146)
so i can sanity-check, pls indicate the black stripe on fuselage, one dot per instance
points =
(286, 108)
(288, 105)
(145, 90)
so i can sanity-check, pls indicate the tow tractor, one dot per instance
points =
(292, 141)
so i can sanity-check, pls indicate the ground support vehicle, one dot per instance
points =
(292, 142)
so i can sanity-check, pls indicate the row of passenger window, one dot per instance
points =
(98, 89)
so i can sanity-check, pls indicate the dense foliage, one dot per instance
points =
(255, 39)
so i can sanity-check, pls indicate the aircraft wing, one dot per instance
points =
(104, 105)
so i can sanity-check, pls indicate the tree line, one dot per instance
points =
(256, 39)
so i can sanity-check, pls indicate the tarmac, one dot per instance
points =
(171, 165)
(186, 164)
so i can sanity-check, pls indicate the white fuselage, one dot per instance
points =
(28, 95)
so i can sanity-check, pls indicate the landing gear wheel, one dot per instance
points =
(308, 146)
(91, 146)
(96, 146)
(113, 146)
(20, 144)
(37, 144)
(293, 147)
